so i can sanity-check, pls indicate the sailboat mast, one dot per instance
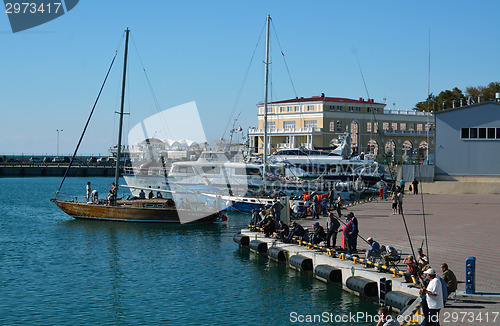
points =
(266, 82)
(120, 126)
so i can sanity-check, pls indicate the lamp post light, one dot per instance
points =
(58, 131)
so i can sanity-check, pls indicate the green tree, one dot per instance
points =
(443, 100)
(487, 93)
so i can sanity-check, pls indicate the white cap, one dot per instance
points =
(369, 239)
(430, 271)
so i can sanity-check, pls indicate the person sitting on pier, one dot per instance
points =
(151, 195)
(269, 227)
(422, 260)
(374, 250)
(255, 219)
(297, 231)
(142, 194)
(389, 254)
(319, 234)
(159, 195)
(283, 231)
(450, 279)
(412, 269)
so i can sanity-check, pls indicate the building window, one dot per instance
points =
(372, 147)
(310, 123)
(339, 126)
(269, 109)
(369, 109)
(332, 107)
(354, 137)
(385, 126)
(394, 126)
(289, 109)
(310, 108)
(402, 126)
(271, 125)
(351, 109)
(482, 133)
(473, 133)
(420, 127)
(289, 124)
(339, 108)
(375, 127)
(358, 109)
(332, 125)
(282, 109)
(368, 127)
(491, 133)
(465, 133)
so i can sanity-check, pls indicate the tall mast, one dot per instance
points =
(120, 126)
(266, 81)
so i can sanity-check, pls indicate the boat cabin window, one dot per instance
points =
(185, 169)
(211, 169)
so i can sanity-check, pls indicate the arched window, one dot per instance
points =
(390, 148)
(372, 147)
(407, 146)
(354, 137)
(422, 149)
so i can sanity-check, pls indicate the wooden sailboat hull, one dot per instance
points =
(136, 212)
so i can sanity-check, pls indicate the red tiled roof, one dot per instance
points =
(324, 99)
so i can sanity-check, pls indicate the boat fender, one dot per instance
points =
(277, 254)
(242, 240)
(399, 300)
(362, 285)
(223, 218)
(328, 273)
(301, 263)
(258, 246)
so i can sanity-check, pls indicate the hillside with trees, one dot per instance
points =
(445, 99)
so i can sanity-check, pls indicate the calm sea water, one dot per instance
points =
(55, 270)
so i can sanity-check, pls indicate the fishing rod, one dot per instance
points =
(338, 219)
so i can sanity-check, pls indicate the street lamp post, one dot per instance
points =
(58, 130)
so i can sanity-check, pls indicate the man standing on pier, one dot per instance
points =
(434, 298)
(332, 227)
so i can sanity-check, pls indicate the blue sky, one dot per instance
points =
(200, 50)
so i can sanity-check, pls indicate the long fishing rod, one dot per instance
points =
(385, 157)
(338, 219)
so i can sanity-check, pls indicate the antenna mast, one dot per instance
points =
(266, 81)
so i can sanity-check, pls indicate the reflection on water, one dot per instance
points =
(59, 271)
